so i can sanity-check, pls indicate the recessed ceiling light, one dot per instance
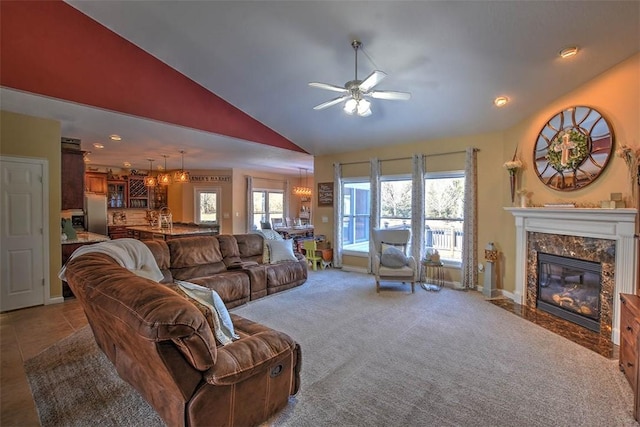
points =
(501, 101)
(115, 137)
(568, 52)
(126, 164)
(98, 145)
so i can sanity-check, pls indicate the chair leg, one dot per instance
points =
(413, 289)
(377, 286)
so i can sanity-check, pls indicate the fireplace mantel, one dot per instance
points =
(610, 224)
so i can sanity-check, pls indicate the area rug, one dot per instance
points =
(445, 358)
(74, 384)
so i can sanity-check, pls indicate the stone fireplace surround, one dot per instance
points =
(617, 225)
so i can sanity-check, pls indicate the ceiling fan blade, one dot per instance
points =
(332, 102)
(328, 87)
(390, 95)
(372, 79)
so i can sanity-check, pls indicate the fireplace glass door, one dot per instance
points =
(570, 288)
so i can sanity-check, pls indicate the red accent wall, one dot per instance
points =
(50, 48)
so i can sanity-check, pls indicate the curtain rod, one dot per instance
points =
(268, 179)
(409, 158)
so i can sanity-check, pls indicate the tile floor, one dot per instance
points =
(23, 334)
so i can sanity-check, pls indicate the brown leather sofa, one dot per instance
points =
(232, 265)
(163, 346)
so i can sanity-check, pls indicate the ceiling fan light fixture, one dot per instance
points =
(350, 106)
(364, 108)
(355, 90)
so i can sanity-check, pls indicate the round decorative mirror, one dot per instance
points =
(573, 148)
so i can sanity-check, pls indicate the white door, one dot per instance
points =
(22, 233)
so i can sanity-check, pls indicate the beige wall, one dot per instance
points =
(33, 137)
(615, 93)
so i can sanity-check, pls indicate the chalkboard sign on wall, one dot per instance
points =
(325, 194)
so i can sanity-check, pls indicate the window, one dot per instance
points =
(395, 203)
(207, 206)
(444, 214)
(268, 205)
(356, 199)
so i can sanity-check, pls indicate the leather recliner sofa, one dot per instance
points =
(232, 265)
(163, 346)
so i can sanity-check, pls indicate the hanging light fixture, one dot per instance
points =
(299, 190)
(182, 176)
(150, 180)
(165, 177)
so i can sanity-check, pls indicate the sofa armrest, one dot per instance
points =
(243, 358)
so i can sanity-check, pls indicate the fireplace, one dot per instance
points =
(570, 288)
(603, 236)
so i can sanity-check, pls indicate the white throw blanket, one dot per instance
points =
(222, 326)
(131, 254)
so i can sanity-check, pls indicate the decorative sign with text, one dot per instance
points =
(325, 194)
(210, 178)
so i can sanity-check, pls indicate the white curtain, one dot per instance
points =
(417, 208)
(337, 215)
(470, 227)
(374, 212)
(249, 204)
(286, 200)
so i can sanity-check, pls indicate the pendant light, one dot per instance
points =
(299, 190)
(165, 177)
(150, 180)
(182, 176)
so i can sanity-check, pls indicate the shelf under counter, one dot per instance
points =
(145, 232)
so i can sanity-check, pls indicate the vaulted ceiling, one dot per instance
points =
(234, 89)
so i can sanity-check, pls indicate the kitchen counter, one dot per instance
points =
(85, 237)
(147, 232)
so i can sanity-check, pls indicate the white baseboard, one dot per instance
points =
(354, 269)
(54, 300)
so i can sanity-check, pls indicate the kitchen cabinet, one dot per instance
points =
(117, 192)
(158, 196)
(138, 193)
(118, 232)
(72, 177)
(95, 182)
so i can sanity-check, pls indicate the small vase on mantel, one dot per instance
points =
(512, 181)
(524, 200)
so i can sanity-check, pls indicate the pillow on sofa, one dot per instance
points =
(268, 235)
(281, 250)
(392, 257)
(212, 307)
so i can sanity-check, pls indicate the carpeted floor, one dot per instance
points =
(445, 358)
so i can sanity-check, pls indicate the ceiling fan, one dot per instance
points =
(356, 91)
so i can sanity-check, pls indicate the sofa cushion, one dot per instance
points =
(280, 250)
(251, 246)
(160, 252)
(268, 235)
(232, 286)
(195, 257)
(230, 251)
(192, 251)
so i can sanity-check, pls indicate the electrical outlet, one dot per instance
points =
(480, 267)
